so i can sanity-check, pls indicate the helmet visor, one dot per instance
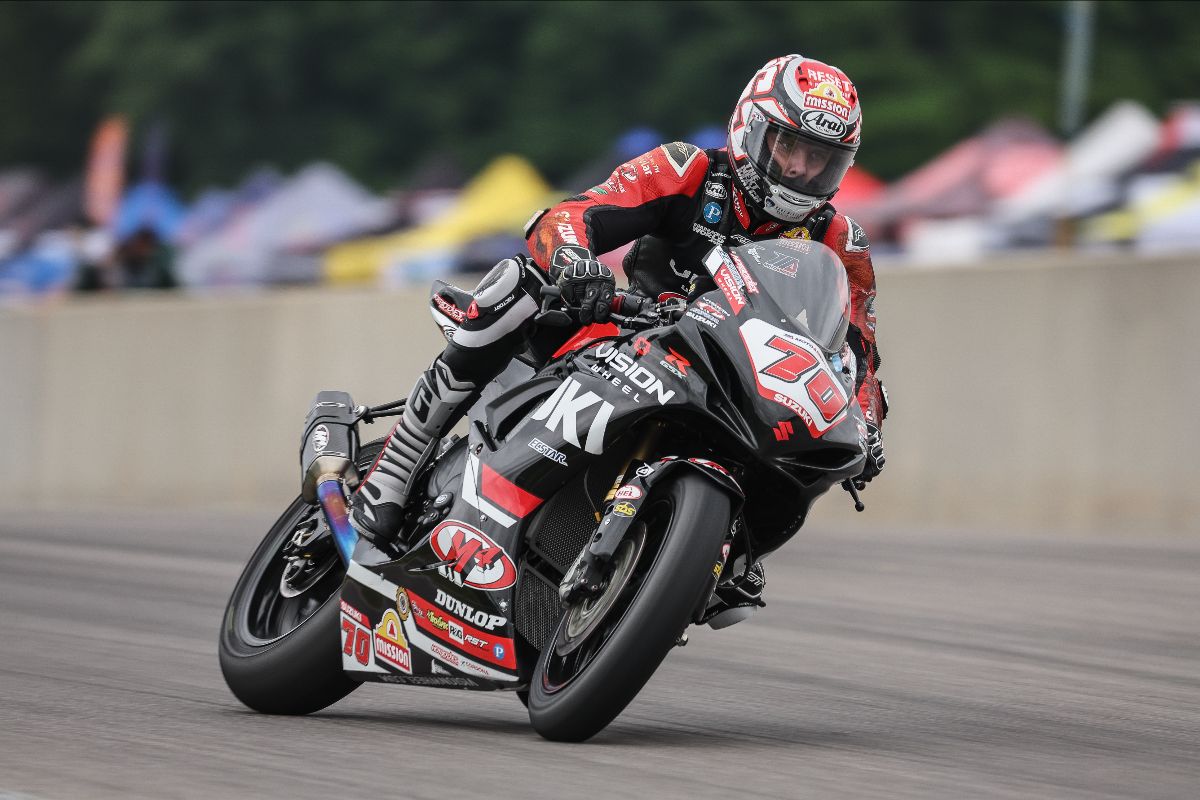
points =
(796, 161)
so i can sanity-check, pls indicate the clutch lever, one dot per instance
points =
(555, 318)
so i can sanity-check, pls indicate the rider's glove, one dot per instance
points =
(589, 286)
(875, 459)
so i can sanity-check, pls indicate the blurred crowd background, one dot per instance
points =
(203, 145)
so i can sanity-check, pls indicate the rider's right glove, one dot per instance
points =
(875, 459)
(589, 286)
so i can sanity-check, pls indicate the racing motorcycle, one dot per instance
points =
(594, 510)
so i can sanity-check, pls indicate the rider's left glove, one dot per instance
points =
(875, 459)
(589, 286)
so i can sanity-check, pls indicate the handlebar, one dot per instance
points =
(631, 309)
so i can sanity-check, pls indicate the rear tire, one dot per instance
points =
(282, 655)
(573, 697)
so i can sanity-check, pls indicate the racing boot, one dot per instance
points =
(737, 597)
(436, 403)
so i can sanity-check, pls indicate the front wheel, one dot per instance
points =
(604, 651)
(280, 639)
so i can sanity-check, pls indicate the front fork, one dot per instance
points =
(585, 577)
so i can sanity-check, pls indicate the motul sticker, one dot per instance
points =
(476, 560)
(390, 645)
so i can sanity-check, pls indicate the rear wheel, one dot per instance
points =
(605, 649)
(280, 639)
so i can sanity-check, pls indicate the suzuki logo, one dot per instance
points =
(783, 431)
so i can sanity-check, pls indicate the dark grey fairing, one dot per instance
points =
(739, 381)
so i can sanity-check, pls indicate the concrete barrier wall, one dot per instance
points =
(1037, 396)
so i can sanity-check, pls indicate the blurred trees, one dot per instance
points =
(377, 87)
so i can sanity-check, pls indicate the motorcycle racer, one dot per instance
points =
(792, 136)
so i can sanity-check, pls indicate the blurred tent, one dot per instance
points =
(18, 188)
(707, 137)
(149, 205)
(430, 192)
(629, 145)
(48, 266)
(497, 201)
(966, 179)
(1161, 196)
(277, 239)
(1163, 215)
(215, 208)
(859, 189)
(59, 206)
(1179, 141)
(1086, 181)
(210, 210)
(937, 211)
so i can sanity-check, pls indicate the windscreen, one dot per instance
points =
(807, 280)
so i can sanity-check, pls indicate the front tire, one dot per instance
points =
(281, 654)
(574, 696)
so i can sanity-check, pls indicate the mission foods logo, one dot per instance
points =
(390, 645)
(474, 559)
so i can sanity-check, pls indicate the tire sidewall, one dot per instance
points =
(647, 632)
(300, 671)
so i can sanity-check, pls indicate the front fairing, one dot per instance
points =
(793, 397)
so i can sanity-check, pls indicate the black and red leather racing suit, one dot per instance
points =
(675, 203)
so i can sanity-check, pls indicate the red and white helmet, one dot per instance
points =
(793, 135)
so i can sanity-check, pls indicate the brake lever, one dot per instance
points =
(848, 485)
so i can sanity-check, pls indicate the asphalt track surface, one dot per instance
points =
(890, 665)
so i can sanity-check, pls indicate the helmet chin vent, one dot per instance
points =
(789, 207)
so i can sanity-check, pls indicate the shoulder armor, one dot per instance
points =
(680, 155)
(856, 237)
